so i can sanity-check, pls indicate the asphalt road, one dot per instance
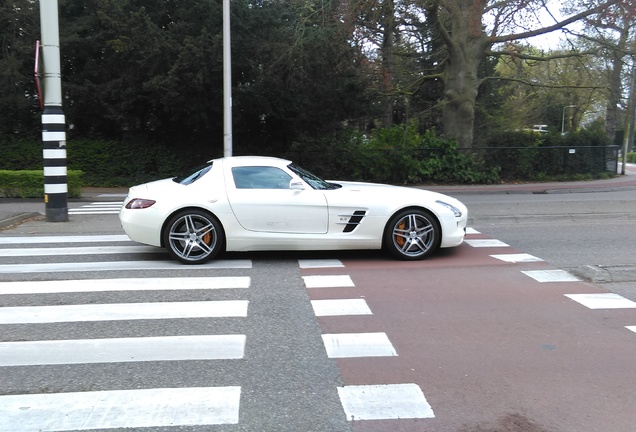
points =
(592, 234)
(474, 339)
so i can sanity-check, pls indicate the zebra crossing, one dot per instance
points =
(95, 208)
(42, 284)
(61, 317)
(116, 407)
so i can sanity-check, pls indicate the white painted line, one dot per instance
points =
(603, 301)
(483, 243)
(319, 263)
(551, 276)
(329, 281)
(122, 311)
(632, 328)
(124, 284)
(517, 258)
(380, 402)
(92, 212)
(345, 345)
(140, 349)
(120, 266)
(88, 250)
(470, 230)
(338, 307)
(146, 408)
(65, 239)
(104, 204)
(113, 195)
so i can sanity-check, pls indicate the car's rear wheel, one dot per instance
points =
(193, 236)
(412, 234)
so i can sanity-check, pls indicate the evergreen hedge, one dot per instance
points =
(30, 183)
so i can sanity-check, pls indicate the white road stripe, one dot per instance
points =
(328, 281)
(517, 258)
(380, 402)
(88, 250)
(603, 301)
(338, 307)
(122, 311)
(104, 204)
(124, 284)
(344, 345)
(120, 266)
(485, 243)
(82, 351)
(551, 276)
(160, 407)
(92, 212)
(319, 263)
(65, 239)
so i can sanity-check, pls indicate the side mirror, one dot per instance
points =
(296, 185)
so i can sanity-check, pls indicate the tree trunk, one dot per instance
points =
(466, 45)
(614, 96)
(388, 61)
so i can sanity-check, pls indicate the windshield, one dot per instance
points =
(313, 180)
(193, 174)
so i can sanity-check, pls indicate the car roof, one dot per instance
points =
(252, 160)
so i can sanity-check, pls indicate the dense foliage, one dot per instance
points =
(355, 89)
(30, 184)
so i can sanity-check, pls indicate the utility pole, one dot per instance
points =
(227, 82)
(53, 121)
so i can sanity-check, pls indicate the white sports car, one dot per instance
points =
(250, 203)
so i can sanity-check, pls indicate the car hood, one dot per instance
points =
(389, 190)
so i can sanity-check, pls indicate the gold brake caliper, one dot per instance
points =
(400, 239)
(207, 238)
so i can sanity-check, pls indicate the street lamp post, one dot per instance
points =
(227, 82)
(563, 118)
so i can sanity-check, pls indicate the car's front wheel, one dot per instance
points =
(412, 234)
(193, 236)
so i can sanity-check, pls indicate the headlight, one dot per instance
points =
(455, 210)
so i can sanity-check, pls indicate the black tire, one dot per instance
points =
(412, 234)
(193, 236)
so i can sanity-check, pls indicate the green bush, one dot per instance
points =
(631, 157)
(397, 155)
(30, 183)
(105, 163)
(123, 163)
(20, 154)
(525, 155)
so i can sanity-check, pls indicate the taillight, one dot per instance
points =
(139, 203)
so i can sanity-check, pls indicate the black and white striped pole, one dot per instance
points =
(53, 121)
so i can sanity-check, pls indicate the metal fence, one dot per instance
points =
(530, 162)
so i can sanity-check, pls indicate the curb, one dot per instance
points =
(18, 219)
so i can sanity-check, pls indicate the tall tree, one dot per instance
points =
(470, 29)
(19, 29)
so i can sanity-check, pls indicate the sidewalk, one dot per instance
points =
(16, 211)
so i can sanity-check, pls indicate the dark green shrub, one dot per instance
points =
(20, 154)
(397, 155)
(30, 183)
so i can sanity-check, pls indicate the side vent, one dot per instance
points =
(354, 221)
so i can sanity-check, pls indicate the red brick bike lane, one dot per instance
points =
(491, 348)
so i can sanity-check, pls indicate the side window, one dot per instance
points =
(255, 177)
